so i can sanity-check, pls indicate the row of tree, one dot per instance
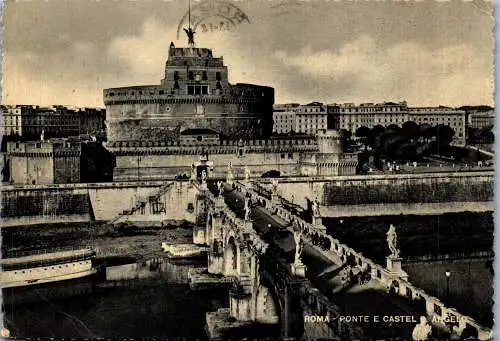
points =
(409, 142)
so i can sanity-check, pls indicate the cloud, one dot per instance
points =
(301, 64)
(360, 70)
(144, 55)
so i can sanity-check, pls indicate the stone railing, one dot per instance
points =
(436, 310)
(243, 230)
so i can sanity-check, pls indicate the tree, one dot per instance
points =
(427, 131)
(345, 138)
(363, 131)
(444, 134)
(365, 134)
(411, 129)
(394, 128)
(407, 152)
(378, 129)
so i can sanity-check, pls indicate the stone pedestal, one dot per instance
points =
(317, 221)
(199, 235)
(299, 269)
(230, 179)
(394, 267)
(275, 200)
(219, 202)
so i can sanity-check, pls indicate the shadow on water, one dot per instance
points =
(147, 299)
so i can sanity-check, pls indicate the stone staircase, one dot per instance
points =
(142, 201)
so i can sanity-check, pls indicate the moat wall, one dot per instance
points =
(454, 192)
(29, 205)
(409, 191)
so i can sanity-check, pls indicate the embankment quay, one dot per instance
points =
(338, 196)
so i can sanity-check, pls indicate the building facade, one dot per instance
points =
(480, 120)
(434, 116)
(58, 121)
(11, 121)
(310, 118)
(284, 118)
(194, 94)
(301, 119)
(350, 117)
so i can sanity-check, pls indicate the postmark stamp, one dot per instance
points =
(212, 16)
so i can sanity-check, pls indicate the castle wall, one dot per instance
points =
(32, 170)
(161, 166)
(66, 169)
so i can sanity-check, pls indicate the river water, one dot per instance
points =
(153, 300)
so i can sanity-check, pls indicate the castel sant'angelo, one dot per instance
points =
(194, 117)
(195, 93)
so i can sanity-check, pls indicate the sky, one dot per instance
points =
(426, 52)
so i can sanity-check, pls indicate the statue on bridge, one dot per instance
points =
(193, 172)
(247, 209)
(220, 186)
(247, 173)
(274, 184)
(315, 208)
(299, 245)
(392, 240)
(230, 176)
(422, 330)
(204, 178)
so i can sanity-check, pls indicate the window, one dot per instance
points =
(162, 92)
(191, 75)
(176, 85)
(217, 76)
(204, 76)
(218, 86)
(190, 90)
(199, 138)
(176, 75)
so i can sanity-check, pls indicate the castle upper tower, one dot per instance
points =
(194, 71)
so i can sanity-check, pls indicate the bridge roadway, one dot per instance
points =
(369, 299)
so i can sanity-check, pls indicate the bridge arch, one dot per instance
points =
(230, 257)
(269, 307)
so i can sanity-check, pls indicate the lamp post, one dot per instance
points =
(448, 274)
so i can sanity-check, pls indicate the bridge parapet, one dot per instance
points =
(437, 312)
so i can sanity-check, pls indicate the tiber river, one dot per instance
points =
(158, 303)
